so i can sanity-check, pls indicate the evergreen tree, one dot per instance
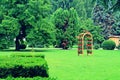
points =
(67, 27)
(113, 5)
(103, 16)
(104, 19)
(82, 7)
(116, 26)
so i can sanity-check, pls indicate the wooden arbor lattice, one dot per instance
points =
(81, 43)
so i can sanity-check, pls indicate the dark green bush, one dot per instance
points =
(96, 46)
(23, 44)
(21, 66)
(4, 46)
(108, 45)
(89, 51)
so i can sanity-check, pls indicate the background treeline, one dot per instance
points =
(40, 23)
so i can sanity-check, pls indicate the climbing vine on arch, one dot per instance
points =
(89, 44)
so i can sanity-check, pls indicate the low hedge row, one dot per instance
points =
(23, 66)
(34, 78)
(28, 55)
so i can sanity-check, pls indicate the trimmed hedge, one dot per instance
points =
(34, 78)
(108, 45)
(28, 55)
(23, 66)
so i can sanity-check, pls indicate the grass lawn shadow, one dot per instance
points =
(30, 50)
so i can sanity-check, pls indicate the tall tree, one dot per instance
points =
(9, 28)
(67, 27)
(116, 26)
(29, 15)
(104, 19)
(82, 7)
(40, 29)
(109, 4)
(103, 14)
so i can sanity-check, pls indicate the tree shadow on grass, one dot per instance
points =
(31, 50)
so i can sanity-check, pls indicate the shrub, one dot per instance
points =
(89, 51)
(118, 47)
(23, 44)
(96, 46)
(108, 45)
(23, 66)
(3, 46)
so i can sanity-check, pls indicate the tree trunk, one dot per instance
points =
(17, 43)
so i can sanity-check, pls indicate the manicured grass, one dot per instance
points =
(102, 65)
(67, 65)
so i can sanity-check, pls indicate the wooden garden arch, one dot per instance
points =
(89, 45)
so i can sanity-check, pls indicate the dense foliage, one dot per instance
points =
(103, 16)
(104, 20)
(56, 22)
(83, 7)
(67, 27)
(113, 5)
(9, 29)
(96, 31)
(108, 45)
(116, 26)
(25, 19)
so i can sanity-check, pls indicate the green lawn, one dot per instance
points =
(67, 65)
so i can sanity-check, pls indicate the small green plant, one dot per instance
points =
(108, 45)
(89, 51)
(96, 46)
